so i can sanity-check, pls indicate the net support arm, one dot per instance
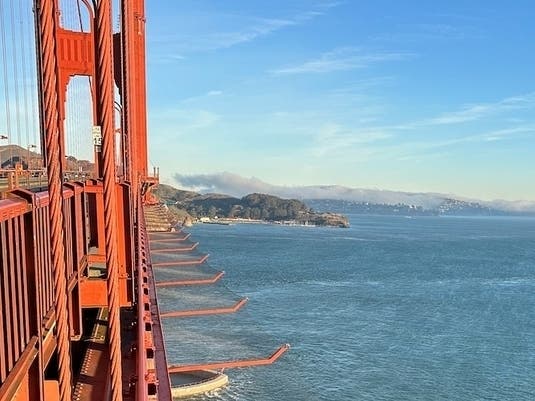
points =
(189, 262)
(181, 249)
(216, 277)
(173, 239)
(211, 311)
(244, 363)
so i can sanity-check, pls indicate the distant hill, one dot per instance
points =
(12, 154)
(253, 206)
(370, 200)
(449, 207)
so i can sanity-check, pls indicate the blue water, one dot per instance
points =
(393, 308)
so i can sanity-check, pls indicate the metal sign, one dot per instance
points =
(97, 135)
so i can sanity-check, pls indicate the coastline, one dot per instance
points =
(228, 221)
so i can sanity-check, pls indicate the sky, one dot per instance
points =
(401, 95)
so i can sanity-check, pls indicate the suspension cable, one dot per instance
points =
(106, 120)
(46, 24)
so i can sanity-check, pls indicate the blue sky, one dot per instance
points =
(403, 95)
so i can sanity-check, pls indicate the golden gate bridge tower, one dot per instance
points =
(79, 315)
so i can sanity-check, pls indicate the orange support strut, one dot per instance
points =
(244, 363)
(212, 311)
(182, 249)
(210, 280)
(184, 238)
(182, 262)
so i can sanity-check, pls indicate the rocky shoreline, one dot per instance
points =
(187, 208)
(314, 220)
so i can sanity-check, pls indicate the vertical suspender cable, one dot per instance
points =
(6, 79)
(105, 95)
(78, 13)
(33, 73)
(45, 20)
(126, 98)
(25, 81)
(16, 82)
(124, 108)
(67, 121)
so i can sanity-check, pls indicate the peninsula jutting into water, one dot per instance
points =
(188, 206)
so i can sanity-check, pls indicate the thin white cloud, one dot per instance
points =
(430, 32)
(501, 134)
(196, 119)
(489, 136)
(174, 122)
(416, 150)
(477, 111)
(473, 112)
(176, 57)
(363, 85)
(165, 58)
(263, 27)
(334, 139)
(342, 59)
(470, 113)
(247, 30)
(214, 93)
(204, 96)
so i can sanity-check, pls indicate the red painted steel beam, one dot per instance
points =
(211, 311)
(9, 388)
(133, 90)
(93, 293)
(10, 208)
(244, 363)
(182, 249)
(175, 283)
(182, 262)
(140, 96)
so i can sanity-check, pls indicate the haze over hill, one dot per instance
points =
(237, 185)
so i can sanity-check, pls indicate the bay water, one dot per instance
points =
(393, 308)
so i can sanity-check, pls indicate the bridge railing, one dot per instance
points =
(152, 375)
(27, 314)
(15, 314)
(26, 278)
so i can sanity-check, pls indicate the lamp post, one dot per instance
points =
(31, 146)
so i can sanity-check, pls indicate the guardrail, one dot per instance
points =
(27, 313)
(152, 375)
(26, 278)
